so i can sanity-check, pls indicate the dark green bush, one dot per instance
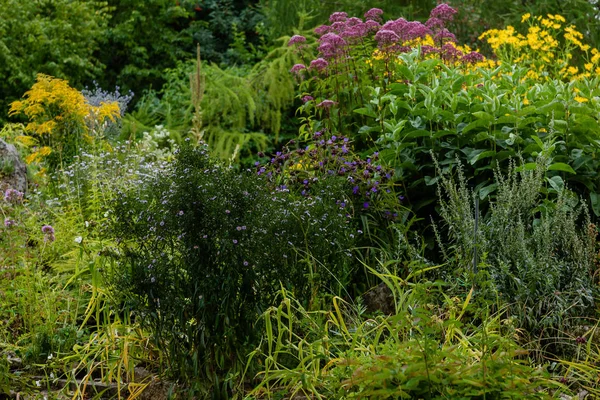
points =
(204, 248)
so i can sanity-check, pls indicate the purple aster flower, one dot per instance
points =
(443, 12)
(9, 222)
(296, 39)
(245, 263)
(297, 68)
(235, 241)
(318, 133)
(307, 98)
(339, 16)
(374, 14)
(319, 64)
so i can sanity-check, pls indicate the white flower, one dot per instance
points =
(78, 239)
(38, 383)
(51, 375)
(50, 356)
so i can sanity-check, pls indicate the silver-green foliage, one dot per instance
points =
(536, 243)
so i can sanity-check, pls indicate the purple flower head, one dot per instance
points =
(13, 196)
(355, 190)
(318, 133)
(326, 104)
(444, 36)
(366, 204)
(472, 58)
(9, 222)
(47, 229)
(321, 30)
(307, 98)
(356, 31)
(434, 23)
(245, 263)
(297, 68)
(398, 26)
(339, 16)
(386, 37)
(353, 21)
(296, 39)
(443, 12)
(334, 39)
(374, 14)
(428, 50)
(414, 30)
(450, 53)
(372, 26)
(338, 27)
(319, 64)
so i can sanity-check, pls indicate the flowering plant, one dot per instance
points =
(58, 120)
(550, 48)
(355, 54)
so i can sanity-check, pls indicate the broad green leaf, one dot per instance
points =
(561, 167)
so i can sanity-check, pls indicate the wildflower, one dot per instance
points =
(374, 14)
(581, 340)
(9, 222)
(443, 12)
(386, 36)
(297, 68)
(339, 16)
(321, 30)
(78, 240)
(525, 17)
(434, 23)
(307, 98)
(326, 104)
(319, 64)
(48, 230)
(296, 39)
(13, 196)
(580, 99)
(473, 58)
(245, 263)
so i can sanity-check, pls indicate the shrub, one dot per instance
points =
(538, 252)
(204, 248)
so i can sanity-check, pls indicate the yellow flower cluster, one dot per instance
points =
(54, 109)
(547, 48)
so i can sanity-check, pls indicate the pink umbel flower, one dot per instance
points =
(374, 14)
(296, 39)
(443, 12)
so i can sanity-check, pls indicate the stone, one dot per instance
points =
(13, 171)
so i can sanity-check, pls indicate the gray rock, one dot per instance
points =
(13, 171)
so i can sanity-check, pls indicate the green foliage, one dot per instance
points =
(240, 107)
(203, 250)
(418, 352)
(54, 37)
(537, 255)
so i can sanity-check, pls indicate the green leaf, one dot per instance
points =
(561, 167)
(557, 183)
(366, 111)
